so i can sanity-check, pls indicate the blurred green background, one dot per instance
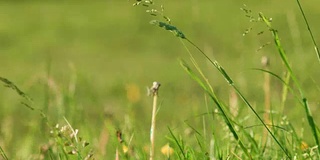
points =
(98, 57)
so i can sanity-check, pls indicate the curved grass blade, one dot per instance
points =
(230, 81)
(179, 34)
(178, 143)
(11, 85)
(219, 105)
(285, 61)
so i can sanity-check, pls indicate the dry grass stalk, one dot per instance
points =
(266, 89)
(154, 92)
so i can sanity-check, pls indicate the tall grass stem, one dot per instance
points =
(230, 81)
(284, 59)
(266, 89)
(154, 91)
(310, 32)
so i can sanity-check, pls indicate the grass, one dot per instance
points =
(154, 92)
(80, 76)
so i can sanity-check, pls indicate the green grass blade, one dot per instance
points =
(281, 51)
(311, 121)
(264, 124)
(285, 89)
(178, 143)
(230, 81)
(219, 105)
(180, 34)
(223, 72)
(11, 85)
(206, 87)
(284, 59)
(316, 48)
(198, 133)
(271, 73)
(3, 155)
(195, 64)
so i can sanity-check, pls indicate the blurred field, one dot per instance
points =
(109, 53)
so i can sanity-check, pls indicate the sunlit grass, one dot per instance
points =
(91, 63)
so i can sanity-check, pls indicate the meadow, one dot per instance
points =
(83, 69)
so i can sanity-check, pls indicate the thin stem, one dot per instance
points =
(117, 154)
(266, 88)
(194, 45)
(294, 79)
(154, 91)
(3, 155)
(153, 125)
(229, 80)
(310, 32)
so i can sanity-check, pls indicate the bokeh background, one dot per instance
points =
(91, 62)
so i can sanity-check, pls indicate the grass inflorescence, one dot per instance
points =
(225, 114)
(80, 119)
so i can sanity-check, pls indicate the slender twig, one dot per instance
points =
(154, 92)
